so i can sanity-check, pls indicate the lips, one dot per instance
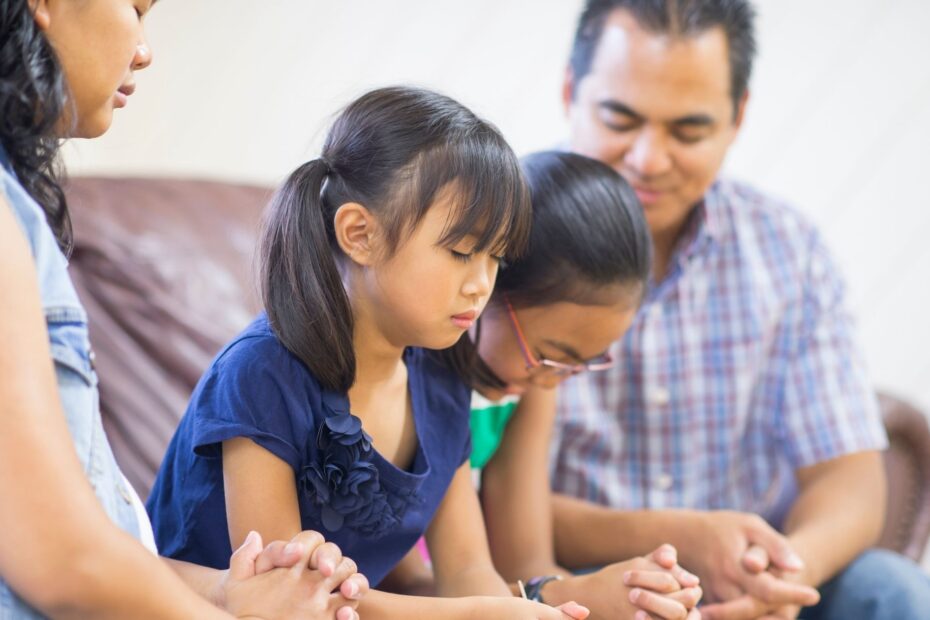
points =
(647, 195)
(465, 320)
(121, 98)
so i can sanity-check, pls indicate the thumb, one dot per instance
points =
(776, 546)
(242, 562)
(756, 559)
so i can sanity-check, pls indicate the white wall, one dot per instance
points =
(838, 123)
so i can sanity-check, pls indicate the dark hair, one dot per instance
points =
(588, 234)
(392, 150)
(680, 18)
(33, 96)
(588, 242)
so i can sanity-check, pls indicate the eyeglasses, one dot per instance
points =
(560, 369)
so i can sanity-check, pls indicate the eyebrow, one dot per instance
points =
(699, 119)
(568, 350)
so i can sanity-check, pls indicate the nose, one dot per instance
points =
(480, 280)
(648, 155)
(142, 57)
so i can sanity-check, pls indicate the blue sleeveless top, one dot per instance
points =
(255, 388)
(77, 381)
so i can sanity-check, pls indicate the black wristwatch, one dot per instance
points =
(535, 585)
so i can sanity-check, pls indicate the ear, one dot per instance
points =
(568, 89)
(40, 13)
(741, 111)
(356, 232)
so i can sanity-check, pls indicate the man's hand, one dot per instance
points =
(745, 563)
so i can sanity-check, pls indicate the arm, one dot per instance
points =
(839, 513)
(256, 480)
(458, 544)
(82, 566)
(515, 494)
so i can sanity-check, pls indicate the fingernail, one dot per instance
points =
(327, 567)
(353, 589)
(250, 538)
(634, 594)
(627, 576)
(691, 576)
(794, 560)
(292, 548)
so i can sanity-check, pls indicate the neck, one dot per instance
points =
(377, 359)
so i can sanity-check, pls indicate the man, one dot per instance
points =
(739, 392)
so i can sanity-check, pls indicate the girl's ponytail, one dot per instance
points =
(302, 289)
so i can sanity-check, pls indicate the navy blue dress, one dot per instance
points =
(255, 388)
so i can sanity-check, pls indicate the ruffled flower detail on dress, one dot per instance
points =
(345, 485)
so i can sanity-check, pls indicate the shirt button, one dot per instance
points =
(659, 396)
(664, 482)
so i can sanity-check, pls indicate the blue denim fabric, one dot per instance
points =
(878, 585)
(77, 381)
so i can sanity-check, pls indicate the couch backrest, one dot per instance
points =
(165, 269)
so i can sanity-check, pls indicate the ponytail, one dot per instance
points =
(302, 289)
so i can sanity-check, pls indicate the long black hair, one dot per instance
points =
(589, 235)
(33, 96)
(392, 150)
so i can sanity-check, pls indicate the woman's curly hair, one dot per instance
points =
(33, 96)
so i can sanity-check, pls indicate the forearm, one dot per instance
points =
(201, 579)
(838, 514)
(515, 495)
(588, 535)
(379, 605)
(472, 581)
(120, 579)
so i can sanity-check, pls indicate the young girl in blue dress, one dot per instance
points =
(343, 407)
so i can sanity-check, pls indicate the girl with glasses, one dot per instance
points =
(554, 313)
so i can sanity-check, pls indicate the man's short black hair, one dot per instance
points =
(675, 18)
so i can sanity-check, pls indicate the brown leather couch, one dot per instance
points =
(165, 268)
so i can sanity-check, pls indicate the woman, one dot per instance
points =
(70, 525)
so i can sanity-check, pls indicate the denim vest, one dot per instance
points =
(74, 370)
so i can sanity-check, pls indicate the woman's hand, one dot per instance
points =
(319, 583)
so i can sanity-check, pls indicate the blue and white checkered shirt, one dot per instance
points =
(740, 368)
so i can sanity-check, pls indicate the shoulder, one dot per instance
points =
(27, 211)
(763, 232)
(256, 366)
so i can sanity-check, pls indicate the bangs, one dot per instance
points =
(490, 200)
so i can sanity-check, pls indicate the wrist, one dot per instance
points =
(533, 589)
(559, 591)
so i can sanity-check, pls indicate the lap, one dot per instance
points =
(877, 585)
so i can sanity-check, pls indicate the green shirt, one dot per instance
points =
(488, 421)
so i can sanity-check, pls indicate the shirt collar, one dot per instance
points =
(704, 227)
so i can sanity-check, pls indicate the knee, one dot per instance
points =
(880, 584)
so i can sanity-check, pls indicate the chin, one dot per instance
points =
(95, 126)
